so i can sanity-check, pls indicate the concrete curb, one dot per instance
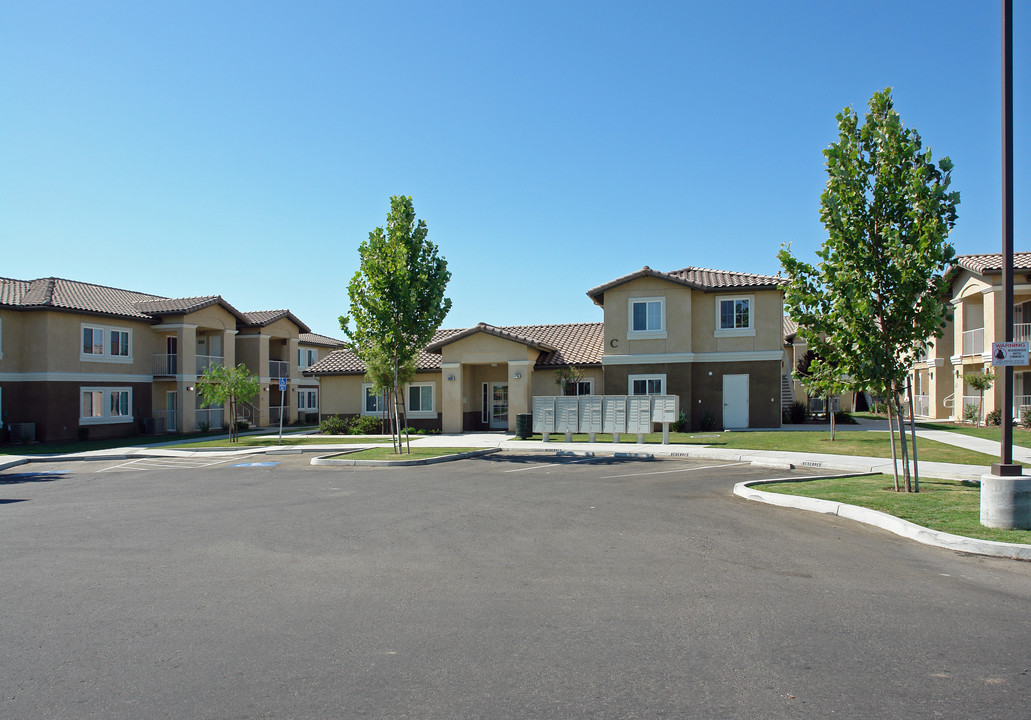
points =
(395, 463)
(898, 526)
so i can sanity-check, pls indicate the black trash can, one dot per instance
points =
(524, 425)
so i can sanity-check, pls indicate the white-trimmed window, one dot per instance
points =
(99, 405)
(307, 400)
(735, 315)
(647, 317)
(306, 357)
(110, 344)
(582, 387)
(420, 400)
(646, 385)
(372, 401)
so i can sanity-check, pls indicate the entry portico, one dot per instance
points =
(486, 377)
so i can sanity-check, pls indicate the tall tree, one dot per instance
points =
(397, 294)
(220, 385)
(876, 295)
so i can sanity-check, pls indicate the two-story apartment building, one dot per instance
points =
(937, 376)
(85, 360)
(712, 337)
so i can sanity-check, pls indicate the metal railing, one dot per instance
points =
(1021, 332)
(1020, 404)
(273, 415)
(973, 401)
(206, 361)
(211, 416)
(171, 420)
(278, 369)
(165, 364)
(922, 405)
(819, 405)
(973, 341)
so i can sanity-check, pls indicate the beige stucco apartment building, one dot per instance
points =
(79, 360)
(714, 338)
(979, 319)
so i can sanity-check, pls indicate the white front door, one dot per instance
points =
(499, 405)
(735, 401)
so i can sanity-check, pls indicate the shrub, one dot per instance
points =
(333, 426)
(708, 421)
(205, 427)
(971, 413)
(681, 425)
(844, 417)
(1025, 419)
(993, 418)
(242, 425)
(365, 425)
(797, 413)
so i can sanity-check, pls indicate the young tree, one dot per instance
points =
(379, 371)
(568, 377)
(822, 379)
(397, 295)
(980, 382)
(220, 385)
(876, 295)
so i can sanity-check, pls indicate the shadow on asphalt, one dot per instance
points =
(28, 477)
(553, 458)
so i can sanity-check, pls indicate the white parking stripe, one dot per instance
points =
(537, 467)
(666, 472)
(165, 463)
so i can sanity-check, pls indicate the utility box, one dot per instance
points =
(23, 432)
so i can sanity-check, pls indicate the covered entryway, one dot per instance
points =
(735, 401)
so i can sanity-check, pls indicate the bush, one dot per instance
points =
(365, 425)
(205, 427)
(993, 418)
(971, 413)
(796, 414)
(333, 426)
(1025, 419)
(242, 425)
(681, 425)
(844, 417)
(708, 421)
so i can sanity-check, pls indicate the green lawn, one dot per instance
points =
(946, 505)
(418, 453)
(1021, 436)
(87, 445)
(846, 442)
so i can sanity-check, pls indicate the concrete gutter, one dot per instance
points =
(898, 526)
(393, 463)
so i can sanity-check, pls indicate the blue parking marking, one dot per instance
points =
(255, 464)
(39, 472)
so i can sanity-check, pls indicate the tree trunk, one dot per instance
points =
(397, 416)
(891, 434)
(903, 445)
(830, 412)
(912, 427)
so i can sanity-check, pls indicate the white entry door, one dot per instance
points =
(735, 401)
(499, 405)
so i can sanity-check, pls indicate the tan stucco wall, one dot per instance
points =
(544, 381)
(342, 394)
(678, 301)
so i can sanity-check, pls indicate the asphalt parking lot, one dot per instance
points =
(508, 586)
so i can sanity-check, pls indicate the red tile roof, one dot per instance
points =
(262, 318)
(702, 279)
(991, 263)
(559, 345)
(323, 340)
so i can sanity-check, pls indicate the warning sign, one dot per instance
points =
(1009, 354)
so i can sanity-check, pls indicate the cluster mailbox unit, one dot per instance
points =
(615, 414)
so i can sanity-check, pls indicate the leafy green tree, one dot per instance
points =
(379, 371)
(568, 377)
(876, 295)
(822, 378)
(220, 385)
(980, 382)
(397, 295)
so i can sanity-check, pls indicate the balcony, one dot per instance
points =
(1022, 332)
(166, 364)
(973, 342)
(922, 405)
(278, 369)
(212, 417)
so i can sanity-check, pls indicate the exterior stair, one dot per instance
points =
(787, 392)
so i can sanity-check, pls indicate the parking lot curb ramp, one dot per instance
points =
(898, 526)
(394, 463)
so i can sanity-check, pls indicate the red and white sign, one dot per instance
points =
(1009, 353)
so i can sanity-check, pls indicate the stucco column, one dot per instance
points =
(262, 371)
(186, 337)
(294, 385)
(451, 383)
(519, 390)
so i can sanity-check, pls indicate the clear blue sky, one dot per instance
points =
(247, 148)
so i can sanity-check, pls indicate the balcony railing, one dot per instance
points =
(278, 369)
(166, 364)
(973, 342)
(1022, 332)
(922, 405)
(171, 421)
(273, 415)
(210, 416)
(206, 361)
(1020, 404)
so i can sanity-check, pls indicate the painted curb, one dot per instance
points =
(396, 463)
(898, 526)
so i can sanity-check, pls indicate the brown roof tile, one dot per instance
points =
(991, 263)
(61, 294)
(702, 279)
(261, 318)
(323, 340)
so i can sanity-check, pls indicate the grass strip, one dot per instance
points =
(418, 453)
(1021, 437)
(947, 505)
(273, 441)
(862, 443)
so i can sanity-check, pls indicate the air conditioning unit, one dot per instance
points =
(23, 432)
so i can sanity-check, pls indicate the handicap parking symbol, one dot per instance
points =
(255, 464)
